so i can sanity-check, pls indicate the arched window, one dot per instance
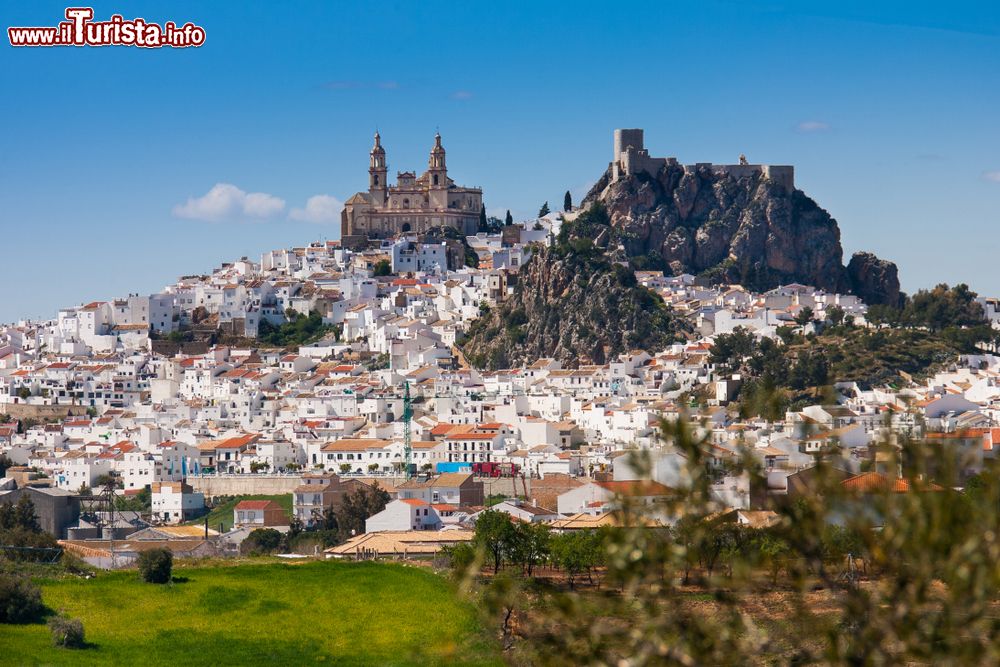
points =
(376, 179)
(406, 227)
(435, 179)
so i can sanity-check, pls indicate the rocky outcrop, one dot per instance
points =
(575, 306)
(748, 230)
(874, 280)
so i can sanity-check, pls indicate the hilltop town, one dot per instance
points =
(319, 369)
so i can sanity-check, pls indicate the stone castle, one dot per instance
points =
(631, 157)
(415, 204)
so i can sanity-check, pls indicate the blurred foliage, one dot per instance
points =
(839, 577)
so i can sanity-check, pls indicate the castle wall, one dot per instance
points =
(637, 162)
(631, 157)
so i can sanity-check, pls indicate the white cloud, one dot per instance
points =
(319, 209)
(992, 176)
(812, 126)
(225, 201)
(461, 95)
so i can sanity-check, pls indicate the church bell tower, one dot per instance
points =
(437, 175)
(377, 172)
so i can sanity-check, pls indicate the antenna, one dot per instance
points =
(107, 501)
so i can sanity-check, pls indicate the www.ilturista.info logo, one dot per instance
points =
(80, 30)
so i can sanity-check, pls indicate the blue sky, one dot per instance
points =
(889, 111)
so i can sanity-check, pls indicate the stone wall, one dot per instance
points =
(243, 485)
(42, 412)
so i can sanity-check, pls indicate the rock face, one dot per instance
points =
(576, 307)
(874, 280)
(748, 230)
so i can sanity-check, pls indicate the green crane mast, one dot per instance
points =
(407, 437)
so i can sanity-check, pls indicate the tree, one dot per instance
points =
(155, 565)
(372, 468)
(24, 514)
(544, 210)
(530, 545)
(357, 507)
(496, 535)
(382, 268)
(20, 599)
(345, 468)
(483, 222)
(5, 463)
(140, 502)
(298, 330)
(19, 527)
(508, 219)
(105, 480)
(567, 202)
(23, 392)
(576, 552)
(944, 307)
(326, 520)
(262, 541)
(804, 316)
(835, 314)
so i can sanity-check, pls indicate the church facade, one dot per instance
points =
(414, 204)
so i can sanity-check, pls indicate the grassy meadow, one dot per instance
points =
(260, 614)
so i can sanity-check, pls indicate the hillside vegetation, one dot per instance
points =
(573, 302)
(931, 330)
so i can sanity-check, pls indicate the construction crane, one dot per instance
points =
(407, 437)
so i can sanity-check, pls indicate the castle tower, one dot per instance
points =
(377, 172)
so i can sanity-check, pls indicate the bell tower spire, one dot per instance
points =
(377, 171)
(436, 166)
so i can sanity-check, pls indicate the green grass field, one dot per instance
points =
(224, 513)
(260, 614)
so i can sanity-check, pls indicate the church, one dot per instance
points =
(414, 204)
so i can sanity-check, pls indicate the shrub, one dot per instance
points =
(156, 565)
(262, 541)
(73, 564)
(20, 600)
(66, 632)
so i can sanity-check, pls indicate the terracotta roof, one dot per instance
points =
(258, 505)
(872, 482)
